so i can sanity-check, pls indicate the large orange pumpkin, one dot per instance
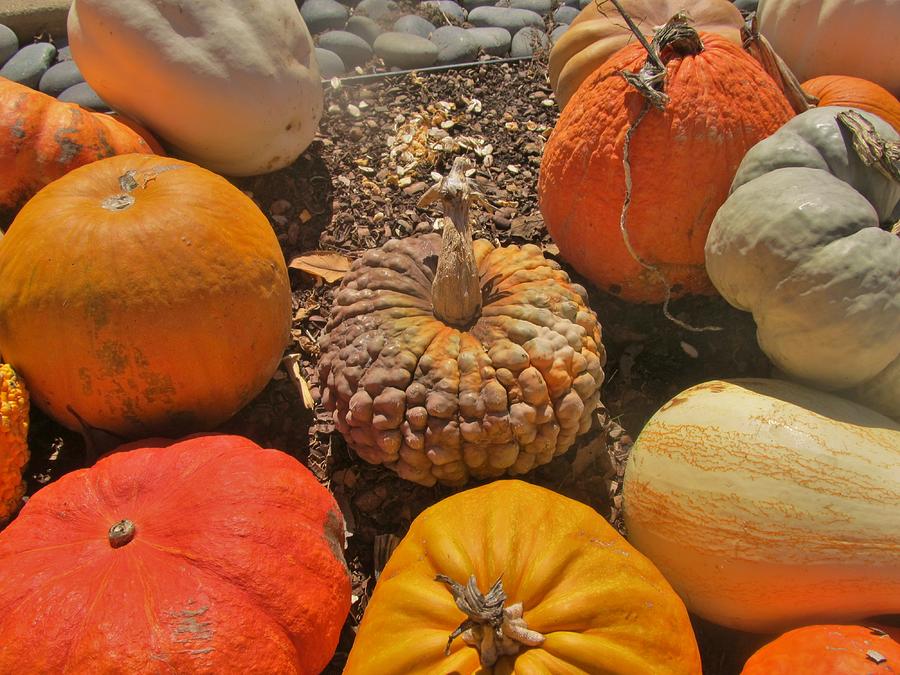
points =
(42, 139)
(827, 650)
(574, 596)
(855, 92)
(682, 160)
(599, 31)
(205, 555)
(143, 295)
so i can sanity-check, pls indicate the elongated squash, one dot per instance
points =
(768, 505)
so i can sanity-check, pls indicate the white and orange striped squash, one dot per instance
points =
(768, 505)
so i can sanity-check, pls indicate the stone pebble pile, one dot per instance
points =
(349, 35)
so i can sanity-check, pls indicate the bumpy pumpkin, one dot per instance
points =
(835, 37)
(43, 139)
(13, 440)
(443, 360)
(768, 505)
(717, 103)
(827, 650)
(234, 89)
(798, 244)
(142, 295)
(204, 555)
(599, 31)
(855, 92)
(521, 580)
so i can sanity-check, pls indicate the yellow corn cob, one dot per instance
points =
(13, 440)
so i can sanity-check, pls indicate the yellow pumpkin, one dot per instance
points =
(579, 598)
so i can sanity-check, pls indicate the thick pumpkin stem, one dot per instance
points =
(872, 149)
(456, 289)
(494, 630)
(121, 533)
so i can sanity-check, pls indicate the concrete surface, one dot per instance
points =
(29, 18)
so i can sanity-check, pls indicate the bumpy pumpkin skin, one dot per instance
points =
(164, 317)
(13, 440)
(42, 139)
(436, 403)
(768, 505)
(682, 162)
(599, 31)
(826, 650)
(601, 605)
(236, 565)
(855, 92)
(798, 244)
(231, 86)
(835, 37)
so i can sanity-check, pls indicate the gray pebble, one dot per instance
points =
(64, 54)
(565, 14)
(60, 77)
(403, 50)
(364, 27)
(322, 15)
(493, 41)
(28, 64)
(414, 25)
(330, 64)
(454, 44)
(353, 50)
(453, 11)
(529, 40)
(542, 7)
(472, 4)
(379, 10)
(570, 3)
(746, 5)
(558, 33)
(83, 95)
(512, 20)
(584, 3)
(9, 43)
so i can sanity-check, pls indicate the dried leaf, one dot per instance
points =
(326, 265)
(292, 366)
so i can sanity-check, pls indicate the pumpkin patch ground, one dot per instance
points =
(356, 187)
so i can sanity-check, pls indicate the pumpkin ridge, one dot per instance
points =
(72, 650)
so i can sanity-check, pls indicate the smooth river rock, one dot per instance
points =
(322, 15)
(453, 10)
(542, 7)
(565, 14)
(83, 95)
(353, 50)
(366, 28)
(528, 41)
(454, 44)
(512, 20)
(330, 64)
(414, 25)
(28, 65)
(60, 77)
(405, 51)
(493, 41)
(9, 43)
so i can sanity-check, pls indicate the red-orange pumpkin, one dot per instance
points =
(682, 161)
(205, 555)
(42, 139)
(855, 92)
(827, 650)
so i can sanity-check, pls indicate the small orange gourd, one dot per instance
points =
(855, 92)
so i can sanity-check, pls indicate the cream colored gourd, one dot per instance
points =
(836, 37)
(233, 88)
(768, 505)
(798, 243)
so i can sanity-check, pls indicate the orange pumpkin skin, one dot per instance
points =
(43, 139)
(855, 92)
(826, 650)
(599, 31)
(163, 317)
(236, 565)
(682, 160)
(141, 131)
(601, 605)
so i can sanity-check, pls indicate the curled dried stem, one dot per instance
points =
(456, 289)
(494, 630)
(874, 150)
